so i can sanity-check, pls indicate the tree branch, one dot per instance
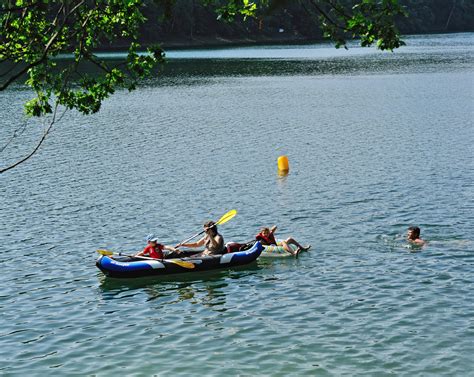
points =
(16, 9)
(338, 8)
(325, 15)
(450, 15)
(43, 138)
(19, 129)
(45, 51)
(22, 72)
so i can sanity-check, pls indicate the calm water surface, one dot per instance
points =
(376, 142)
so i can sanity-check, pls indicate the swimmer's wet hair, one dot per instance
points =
(416, 230)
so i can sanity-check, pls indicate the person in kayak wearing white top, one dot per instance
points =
(212, 241)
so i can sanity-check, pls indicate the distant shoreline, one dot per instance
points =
(212, 42)
(208, 42)
(218, 42)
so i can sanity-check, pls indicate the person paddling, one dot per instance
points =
(154, 249)
(267, 237)
(213, 241)
(413, 236)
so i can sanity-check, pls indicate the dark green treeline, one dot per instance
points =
(189, 21)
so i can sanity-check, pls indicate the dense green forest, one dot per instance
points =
(187, 22)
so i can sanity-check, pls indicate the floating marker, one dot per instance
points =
(283, 165)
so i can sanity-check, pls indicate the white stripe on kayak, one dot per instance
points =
(155, 264)
(226, 258)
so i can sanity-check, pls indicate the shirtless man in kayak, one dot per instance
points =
(212, 241)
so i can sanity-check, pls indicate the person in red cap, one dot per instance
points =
(154, 249)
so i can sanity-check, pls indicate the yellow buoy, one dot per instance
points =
(283, 165)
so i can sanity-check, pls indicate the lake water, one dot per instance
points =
(376, 142)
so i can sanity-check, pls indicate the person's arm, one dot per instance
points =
(194, 244)
(170, 248)
(273, 229)
(141, 253)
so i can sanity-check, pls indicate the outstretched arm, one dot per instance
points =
(170, 248)
(194, 244)
(141, 253)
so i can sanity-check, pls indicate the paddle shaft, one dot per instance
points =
(229, 215)
(181, 263)
(190, 238)
(133, 256)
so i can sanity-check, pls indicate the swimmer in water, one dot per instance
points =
(413, 236)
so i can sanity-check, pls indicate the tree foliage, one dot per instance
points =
(191, 22)
(370, 20)
(35, 33)
(47, 44)
(428, 16)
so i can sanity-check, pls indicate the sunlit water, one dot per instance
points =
(376, 142)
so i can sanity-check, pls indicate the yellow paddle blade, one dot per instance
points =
(181, 263)
(229, 215)
(105, 252)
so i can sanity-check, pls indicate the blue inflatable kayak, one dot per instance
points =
(129, 267)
